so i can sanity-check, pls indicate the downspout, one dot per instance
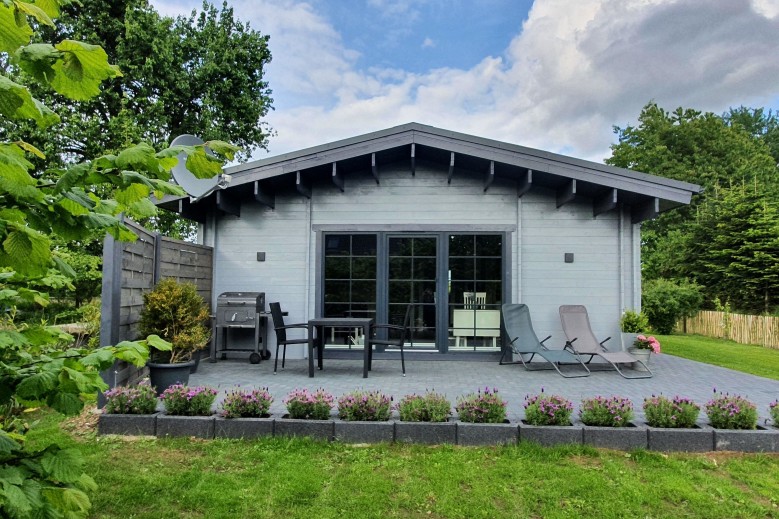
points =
(519, 241)
(309, 263)
(621, 245)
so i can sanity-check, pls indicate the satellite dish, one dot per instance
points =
(197, 188)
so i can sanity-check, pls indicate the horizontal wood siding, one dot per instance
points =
(593, 279)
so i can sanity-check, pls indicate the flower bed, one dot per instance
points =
(606, 412)
(731, 412)
(677, 413)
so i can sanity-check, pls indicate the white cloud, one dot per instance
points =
(427, 43)
(576, 69)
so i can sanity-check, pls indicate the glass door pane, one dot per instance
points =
(475, 290)
(412, 276)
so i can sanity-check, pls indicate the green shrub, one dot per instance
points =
(188, 401)
(614, 411)
(481, 407)
(304, 404)
(677, 413)
(430, 407)
(140, 399)
(177, 313)
(633, 322)
(665, 302)
(548, 410)
(731, 412)
(247, 404)
(774, 409)
(364, 406)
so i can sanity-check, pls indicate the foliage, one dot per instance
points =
(430, 407)
(633, 322)
(545, 409)
(726, 240)
(247, 404)
(613, 411)
(40, 207)
(677, 413)
(365, 406)
(177, 313)
(643, 342)
(183, 400)
(481, 407)
(90, 317)
(665, 302)
(140, 399)
(731, 412)
(774, 410)
(305, 404)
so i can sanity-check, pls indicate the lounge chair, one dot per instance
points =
(581, 340)
(524, 341)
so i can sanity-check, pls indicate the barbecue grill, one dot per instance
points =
(240, 310)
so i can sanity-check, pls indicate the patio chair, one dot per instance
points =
(398, 342)
(281, 334)
(581, 340)
(524, 341)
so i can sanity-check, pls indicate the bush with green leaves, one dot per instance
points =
(481, 407)
(679, 412)
(601, 411)
(311, 405)
(430, 407)
(140, 399)
(181, 400)
(545, 409)
(633, 322)
(665, 302)
(727, 411)
(177, 313)
(365, 406)
(247, 404)
(773, 408)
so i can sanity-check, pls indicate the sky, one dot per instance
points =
(556, 75)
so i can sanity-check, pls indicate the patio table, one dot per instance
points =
(319, 324)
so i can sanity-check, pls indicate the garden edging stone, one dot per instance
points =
(620, 438)
(761, 439)
(174, 425)
(127, 424)
(487, 433)
(549, 435)
(670, 439)
(429, 433)
(246, 428)
(364, 431)
(316, 429)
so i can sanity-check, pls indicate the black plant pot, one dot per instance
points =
(162, 376)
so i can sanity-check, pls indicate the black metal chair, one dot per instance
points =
(281, 334)
(398, 342)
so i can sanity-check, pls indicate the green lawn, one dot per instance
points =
(182, 478)
(756, 360)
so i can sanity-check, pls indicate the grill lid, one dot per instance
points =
(242, 299)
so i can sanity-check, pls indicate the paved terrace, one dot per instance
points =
(673, 376)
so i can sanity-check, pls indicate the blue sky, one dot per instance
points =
(549, 74)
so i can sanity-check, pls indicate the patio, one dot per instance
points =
(673, 376)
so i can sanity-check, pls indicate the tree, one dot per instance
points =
(700, 242)
(38, 365)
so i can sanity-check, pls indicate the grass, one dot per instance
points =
(755, 360)
(297, 478)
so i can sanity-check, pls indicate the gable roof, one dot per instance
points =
(459, 153)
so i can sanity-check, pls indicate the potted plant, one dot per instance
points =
(548, 420)
(308, 415)
(673, 425)
(177, 313)
(607, 423)
(483, 419)
(129, 410)
(188, 411)
(245, 414)
(631, 324)
(642, 349)
(425, 419)
(774, 409)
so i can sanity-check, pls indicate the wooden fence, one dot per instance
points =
(133, 268)
(744, 329)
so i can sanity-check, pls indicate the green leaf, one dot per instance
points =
(17, 103)
(142, 209)
(7, 446)
(36, 12)
(134, 352)
(203, 165)
(132, 193)
(63, 267)
(29, 148)
(223, 148)
(76, 501)
(51, 7)
(64, 465)
(81, 70)
(16, 501)
(73, 207)
(37, 385)
(79, 380)
(73, 177)
(65, 403)
(139, 156)
(14, 30)
(158, 343)
(100, 358)
(37, 59)
(28, 251)
(11, 475)
(100, 221)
